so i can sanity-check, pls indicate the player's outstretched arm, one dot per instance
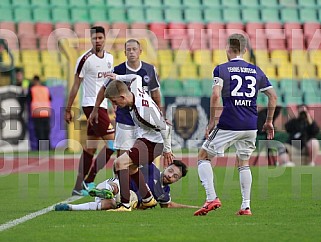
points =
(176, 205)
(71, 99)
(123, 78)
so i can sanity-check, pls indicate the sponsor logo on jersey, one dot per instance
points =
(146, 79)
(103, 74)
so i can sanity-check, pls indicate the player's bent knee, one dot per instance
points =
(117, 165)
(243, 158)
(202, 154)
(122, 162)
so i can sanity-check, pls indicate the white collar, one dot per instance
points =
(237, 58)
(131, 69)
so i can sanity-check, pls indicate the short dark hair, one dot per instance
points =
(36, 78)
(132, 41)
(237, 43)
(18, 69)
(97, 29)
(181, 165)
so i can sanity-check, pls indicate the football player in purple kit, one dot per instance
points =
(238, 83)
(107, 193)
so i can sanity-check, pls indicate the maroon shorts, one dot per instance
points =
(144, 151)
(103, 127)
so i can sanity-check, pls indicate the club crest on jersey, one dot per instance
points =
(108, 64)
(146, 79)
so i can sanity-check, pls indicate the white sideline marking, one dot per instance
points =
(30, 216)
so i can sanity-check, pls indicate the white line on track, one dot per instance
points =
(30, 216)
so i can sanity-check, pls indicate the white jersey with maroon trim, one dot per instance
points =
(148, 117)
(93, 70)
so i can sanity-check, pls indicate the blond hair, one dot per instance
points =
(115, 89)
(237, 43)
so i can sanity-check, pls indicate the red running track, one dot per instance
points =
(9, 165)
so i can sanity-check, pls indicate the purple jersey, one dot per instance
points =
(153, 178)
(240, 83)
(150, 83)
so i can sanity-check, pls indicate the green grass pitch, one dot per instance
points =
(286, 206)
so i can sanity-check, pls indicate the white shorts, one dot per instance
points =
(125, 136)
(219, 140)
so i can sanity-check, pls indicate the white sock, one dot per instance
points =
(126, 205)
(205, 173)
(146, 200)
(245, 182)
(86, 206)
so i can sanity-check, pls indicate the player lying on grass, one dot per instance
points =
(107, 193)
